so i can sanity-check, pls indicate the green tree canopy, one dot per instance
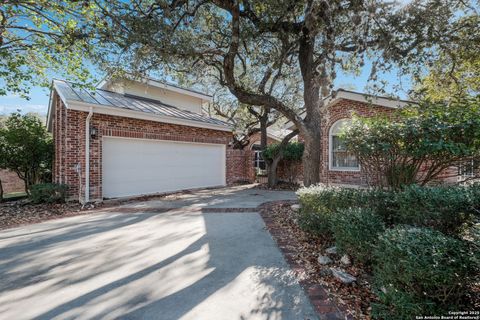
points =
(41, 37)
(456, 70)
(416, 144)
(251, 45)
(26, 148)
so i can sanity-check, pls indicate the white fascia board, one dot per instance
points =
(49, 111)
(274, 137)
(114, 111)
(379, 101)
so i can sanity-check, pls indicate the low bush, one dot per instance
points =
(420, 271)
(356, 232)
(320, 202)
(48, 193)
(447, 209)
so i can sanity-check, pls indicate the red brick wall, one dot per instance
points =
(291, 171)
(341, 110)
(69, 136)
(11, 182)
(240, 166)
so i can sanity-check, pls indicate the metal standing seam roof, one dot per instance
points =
(73, 92)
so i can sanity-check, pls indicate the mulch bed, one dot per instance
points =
(16, 213)
(331, 298)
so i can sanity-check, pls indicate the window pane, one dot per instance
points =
(341, 157)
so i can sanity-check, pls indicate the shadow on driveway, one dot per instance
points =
(172, 265)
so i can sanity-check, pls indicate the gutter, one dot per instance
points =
(87, 155)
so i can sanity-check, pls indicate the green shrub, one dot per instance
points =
(48, 193)
(447, 209)
(356, 232)
(420, 271)
(293, 151)
(320, 202)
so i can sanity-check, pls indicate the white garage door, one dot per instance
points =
(141, 166)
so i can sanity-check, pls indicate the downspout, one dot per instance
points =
(87, 155)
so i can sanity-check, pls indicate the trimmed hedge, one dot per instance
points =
(48, 193)
(356, 231)
(420, 271)
(448, 209)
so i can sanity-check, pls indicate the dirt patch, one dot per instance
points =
(331, 298)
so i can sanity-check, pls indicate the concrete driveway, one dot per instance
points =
(176, 258)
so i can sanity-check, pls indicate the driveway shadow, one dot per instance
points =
(170, 265)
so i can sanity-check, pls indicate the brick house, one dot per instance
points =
(339, 166)
(130, 138)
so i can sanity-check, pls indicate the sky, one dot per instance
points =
(39, 97)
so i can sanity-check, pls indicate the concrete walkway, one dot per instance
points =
(178, 264)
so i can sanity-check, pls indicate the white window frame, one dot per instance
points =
(462, 174)
(257, 159)
(330, 150)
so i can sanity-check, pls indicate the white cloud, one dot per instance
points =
(25, 108)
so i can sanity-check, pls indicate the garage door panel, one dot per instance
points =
(137, 166)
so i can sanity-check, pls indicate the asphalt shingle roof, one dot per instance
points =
(72, 92)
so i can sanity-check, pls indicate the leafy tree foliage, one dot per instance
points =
(418, 143)
(26, 148)
(293, 151)
(39, 37)
(250, 46)
(456, 71)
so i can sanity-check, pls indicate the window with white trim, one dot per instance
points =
(468, 169)
(258, 162)
(340, 157)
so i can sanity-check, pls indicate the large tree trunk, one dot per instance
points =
(272, 171)
(312, 158)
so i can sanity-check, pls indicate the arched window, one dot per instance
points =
(339, 157)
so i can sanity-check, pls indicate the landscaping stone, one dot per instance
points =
(324, 260)
(331, 250)
(295, 207)
(346, 260)
(343, 276)
(325, 272)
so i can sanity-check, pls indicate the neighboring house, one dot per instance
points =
(11, 182)
(130, 138)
